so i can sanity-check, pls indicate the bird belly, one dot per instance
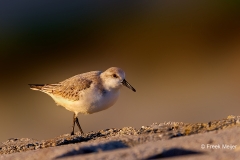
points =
(88, 103)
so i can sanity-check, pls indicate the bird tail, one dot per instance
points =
(36, 87)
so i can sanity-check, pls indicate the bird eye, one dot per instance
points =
(115, 76)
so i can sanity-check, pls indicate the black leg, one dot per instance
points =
(74, 120)
(79, 126)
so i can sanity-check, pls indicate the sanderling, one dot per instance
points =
(86, 93)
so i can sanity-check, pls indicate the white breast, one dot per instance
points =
(105, 101)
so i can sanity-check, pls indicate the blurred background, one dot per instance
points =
(183, 58)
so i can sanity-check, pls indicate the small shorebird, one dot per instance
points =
(86, 93)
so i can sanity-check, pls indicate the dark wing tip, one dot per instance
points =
(36, 86)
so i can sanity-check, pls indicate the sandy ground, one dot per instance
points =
(172, 140)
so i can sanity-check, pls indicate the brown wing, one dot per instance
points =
(69, 88)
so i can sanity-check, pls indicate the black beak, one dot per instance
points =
(125, 83)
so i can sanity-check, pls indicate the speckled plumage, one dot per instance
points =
(71, 88)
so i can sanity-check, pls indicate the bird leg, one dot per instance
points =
(79, 126)
(75, 120)
(74, 117)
